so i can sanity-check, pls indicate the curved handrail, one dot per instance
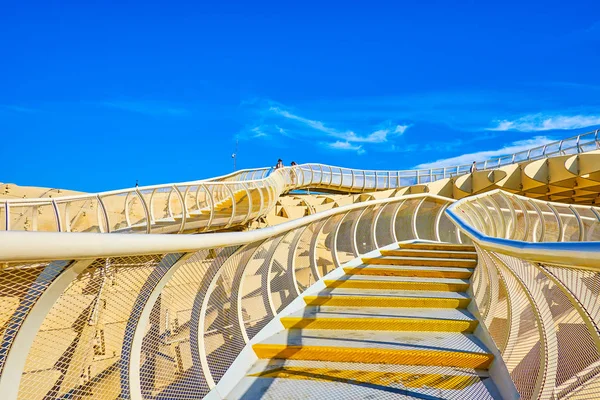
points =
(34, 246)
(584, 254)
(121, 218)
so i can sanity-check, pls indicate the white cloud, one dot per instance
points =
(339, 145)
(400, 129)
(541, 122)
(258, 132)
(378, 136)
(514, 147)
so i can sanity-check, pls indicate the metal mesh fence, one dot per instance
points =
(166, 326)
(544, 320)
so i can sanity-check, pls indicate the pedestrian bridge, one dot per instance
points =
(414, 296)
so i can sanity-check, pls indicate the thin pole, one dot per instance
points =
(234, 155)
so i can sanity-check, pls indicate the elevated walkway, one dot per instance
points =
(394, 327)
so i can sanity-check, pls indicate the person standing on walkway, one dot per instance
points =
(473, 167)
(279, 164)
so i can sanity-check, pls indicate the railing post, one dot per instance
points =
(57, 215)
(7, 215)
(183, 209)
(321, 175)
(389, 182)
(104, 213)
(364, 180)
(145, 207)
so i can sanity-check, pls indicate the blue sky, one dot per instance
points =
(94, 96)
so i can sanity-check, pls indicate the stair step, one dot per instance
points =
(385, 319)
(408, 270)
(399, 283)
(437, 246)
(418, 261)
(430, 253)
(388, 298)
(299, 379)
(444, 349)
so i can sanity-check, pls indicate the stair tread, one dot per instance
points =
(380, 313)
(250, 388)
(325, 379)
(426, 251)
(392, 293)
(413, 279)
(387, 340)
(421, 259)
(411, 268)
(264, 364)
(436, 245)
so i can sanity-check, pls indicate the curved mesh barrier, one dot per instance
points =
(169, 323)
(539, 300)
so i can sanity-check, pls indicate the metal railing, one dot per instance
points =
(537, 288)
(165, 316)
(229, 200)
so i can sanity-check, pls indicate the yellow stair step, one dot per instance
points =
(381, 319)
(430, 253)
(418, 261)
(388, 298)
(379, 347)
(437, 246)
(425, 272)
(399, 283)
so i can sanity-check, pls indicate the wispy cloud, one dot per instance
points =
(339, 145)
(146, 108)
(258, 132)
(514, 147)
(543, 122)
(346, 138)
(400, 129)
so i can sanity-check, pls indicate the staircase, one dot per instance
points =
(394, 327)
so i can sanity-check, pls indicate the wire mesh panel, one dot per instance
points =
(345, 237)
(77, 351)
(255, 300)
(223, 338)
(21, 286)
(384, 234)
(281, 281)
(323, 247)
(168, 367)
(522, 353)
(544, 320)
(302, 258)
(427, 219)
(403, 223)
